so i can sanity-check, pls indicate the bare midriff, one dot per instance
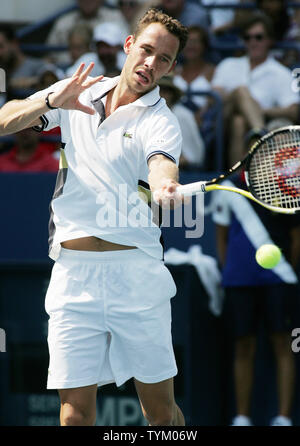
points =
(93, 244)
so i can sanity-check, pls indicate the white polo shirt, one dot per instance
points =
(270, 83)
(103, 165)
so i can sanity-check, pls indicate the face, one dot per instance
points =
(128, 8)
(77, 46)
(194, 48)
(107, 53)
(257, 42)
(89, 7)
(151, 56)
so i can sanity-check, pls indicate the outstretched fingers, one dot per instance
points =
(68, 97)
(79, 70)
(85, 108)
(81, 76)
(92, 81)
(84, 74)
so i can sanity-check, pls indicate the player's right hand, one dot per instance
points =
(167, 196)
(67, 97)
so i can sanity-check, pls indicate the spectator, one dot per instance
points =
(196, 72)
(222, 21)
(193, 150)
(80, 41)
(294, 31)
(81, 51)
(29, 155)
(109, 39)
(189, 13)
(20, 70)
(255, 88)
(195, 75)
(277, 11)
(254, 294)
(131, 10)
(48, 75)
(291, 57)
(91, 12)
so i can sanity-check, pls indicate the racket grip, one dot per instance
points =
(191, 188)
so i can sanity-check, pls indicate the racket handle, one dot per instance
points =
(191, 188)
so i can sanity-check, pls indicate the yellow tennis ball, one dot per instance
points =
(268, 256)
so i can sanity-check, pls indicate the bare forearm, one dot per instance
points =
(161, 169)
(18, 115)
(163, 181)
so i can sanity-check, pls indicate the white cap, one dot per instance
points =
(110, 33)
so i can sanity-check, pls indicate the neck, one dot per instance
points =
(88, 16)
(121, 95)
(194, 63)
(254, 62)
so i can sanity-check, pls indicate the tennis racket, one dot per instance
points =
(272, 173)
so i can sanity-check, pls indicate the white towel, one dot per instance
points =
(208, 272)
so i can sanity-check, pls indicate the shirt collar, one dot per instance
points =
(147, 100)
(262, 65)
(102, 87)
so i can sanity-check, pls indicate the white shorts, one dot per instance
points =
(110, 319)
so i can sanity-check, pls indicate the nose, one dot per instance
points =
(150, 62)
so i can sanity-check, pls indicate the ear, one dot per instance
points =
(172, 66)
(128, 43)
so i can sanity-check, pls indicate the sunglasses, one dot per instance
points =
(257, 37)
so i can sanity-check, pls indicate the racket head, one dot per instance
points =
(272, 169)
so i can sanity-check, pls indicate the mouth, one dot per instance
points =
(143, 77)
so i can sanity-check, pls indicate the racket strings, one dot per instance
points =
(274, 170)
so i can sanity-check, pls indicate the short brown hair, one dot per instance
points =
(202, 35)
(174, 27)
(262, 19)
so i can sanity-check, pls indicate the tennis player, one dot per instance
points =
(109, 295)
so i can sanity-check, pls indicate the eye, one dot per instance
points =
(146, 50)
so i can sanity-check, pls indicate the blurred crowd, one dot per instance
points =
(234, 76)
